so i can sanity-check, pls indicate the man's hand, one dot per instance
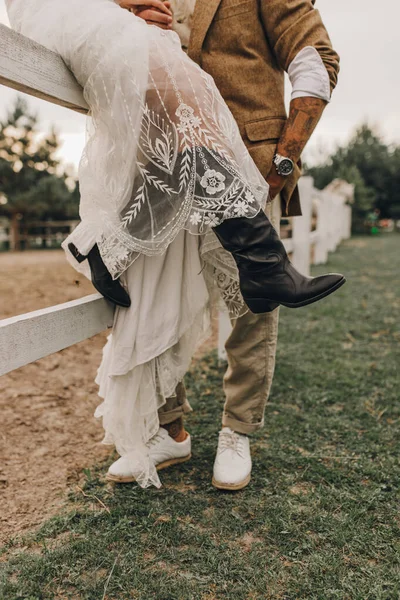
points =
(303, 117)
(154, 12)
(276, 182)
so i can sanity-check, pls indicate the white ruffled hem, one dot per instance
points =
(131, 400)
(151, 347)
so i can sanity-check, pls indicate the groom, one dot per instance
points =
(246, 46)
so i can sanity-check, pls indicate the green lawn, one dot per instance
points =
(320, 518)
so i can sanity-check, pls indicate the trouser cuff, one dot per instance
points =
(239, 426)
(171, 415)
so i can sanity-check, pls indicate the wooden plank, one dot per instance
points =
(28, 337)
(33, 69)
(302, 227)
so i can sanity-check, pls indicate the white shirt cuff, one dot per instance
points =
(309, 76)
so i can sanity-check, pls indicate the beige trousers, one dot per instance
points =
(250, 349)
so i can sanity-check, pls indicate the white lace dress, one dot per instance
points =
(163, 163)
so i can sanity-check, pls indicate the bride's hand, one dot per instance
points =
(154, 12)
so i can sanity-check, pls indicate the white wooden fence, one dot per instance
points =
(30, 68)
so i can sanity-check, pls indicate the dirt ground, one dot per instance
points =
(48, 433)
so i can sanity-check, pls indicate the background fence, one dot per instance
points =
(35, 235)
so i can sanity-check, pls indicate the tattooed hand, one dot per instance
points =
(276, 182)
(303, 117)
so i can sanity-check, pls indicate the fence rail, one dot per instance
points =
(34, 234)
(26, 338)
(30, 68)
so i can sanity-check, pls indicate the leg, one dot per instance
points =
(267, 277)
(171, 413)
(170, 446)
(251, 349)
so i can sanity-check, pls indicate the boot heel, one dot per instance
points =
(76, 254)
(259, 305)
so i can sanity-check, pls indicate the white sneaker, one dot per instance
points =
(164, 451)
(232, 466)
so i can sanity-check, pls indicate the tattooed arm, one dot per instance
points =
(294, 28)
(303, 117)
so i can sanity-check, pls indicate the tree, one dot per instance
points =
(374, 168)
(33, 183)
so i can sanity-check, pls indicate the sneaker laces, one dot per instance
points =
(231, 440)
(155, 439)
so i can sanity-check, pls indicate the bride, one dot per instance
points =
(171, 208)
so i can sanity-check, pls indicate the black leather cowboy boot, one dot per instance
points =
(267, 277)
(108, 287)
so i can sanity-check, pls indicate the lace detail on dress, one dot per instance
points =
(163, 152)
(181, 161)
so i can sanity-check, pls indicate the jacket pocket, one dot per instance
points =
(264, 130)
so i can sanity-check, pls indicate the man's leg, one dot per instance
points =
(171, 413)
(251, 362)
(251, 349)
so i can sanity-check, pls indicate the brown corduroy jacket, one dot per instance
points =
(246, 45)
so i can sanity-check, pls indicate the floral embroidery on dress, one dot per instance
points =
(184, 112)
(230, 293)
(210, 185)
(249, 196)
(241, 208)
(186, 115)
(213, 182)
(195, 218)
(212, 220)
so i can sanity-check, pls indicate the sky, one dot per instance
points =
(363, 32)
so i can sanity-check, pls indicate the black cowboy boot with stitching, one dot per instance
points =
(267, 277)
(108, 287)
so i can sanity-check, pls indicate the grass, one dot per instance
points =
(320, 519)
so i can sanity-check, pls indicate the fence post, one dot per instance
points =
(302, 227)
(339, 195)
(324, 223)
(321, 253)
(347, 222)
